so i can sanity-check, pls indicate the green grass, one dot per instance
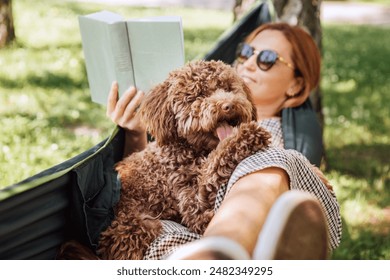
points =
(356, 89)
(46, 115)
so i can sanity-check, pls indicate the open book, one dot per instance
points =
(133, 52)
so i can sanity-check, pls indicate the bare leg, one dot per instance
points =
(243, 212)
(245, 208)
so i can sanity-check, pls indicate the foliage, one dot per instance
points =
(46, 115)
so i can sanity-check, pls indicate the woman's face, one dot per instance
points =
(269, 88)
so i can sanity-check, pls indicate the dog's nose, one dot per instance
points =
(227, 107)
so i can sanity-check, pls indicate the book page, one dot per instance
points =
(106, 53)
(122, 61)
(157, 47)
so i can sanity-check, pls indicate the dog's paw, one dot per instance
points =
(247, 139)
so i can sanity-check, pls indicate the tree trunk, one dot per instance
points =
(240, 7)
(310, 18)
(7, 31)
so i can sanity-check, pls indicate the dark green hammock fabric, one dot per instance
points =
(75, 199)
(302, 132)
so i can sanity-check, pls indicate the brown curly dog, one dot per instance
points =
(204, 124)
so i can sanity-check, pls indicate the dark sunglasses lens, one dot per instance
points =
(244, 52)
(266, 59)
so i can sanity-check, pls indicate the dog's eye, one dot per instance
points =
(223, 85)
(228, 88)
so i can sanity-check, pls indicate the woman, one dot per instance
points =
(281, 65)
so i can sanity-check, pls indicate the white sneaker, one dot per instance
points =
(295, 229)
(215, 247)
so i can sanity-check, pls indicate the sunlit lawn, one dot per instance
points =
(356, 86)
(46, 115)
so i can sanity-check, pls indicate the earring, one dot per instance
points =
(290, 94)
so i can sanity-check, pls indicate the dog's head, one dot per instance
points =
(197, 105)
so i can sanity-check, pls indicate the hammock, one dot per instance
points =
(75, 199)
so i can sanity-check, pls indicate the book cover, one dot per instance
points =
(139, 52)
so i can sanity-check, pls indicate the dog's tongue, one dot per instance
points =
(223, 131)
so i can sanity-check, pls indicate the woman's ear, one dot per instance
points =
(297, 93)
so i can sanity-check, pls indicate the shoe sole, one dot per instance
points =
(295, 229)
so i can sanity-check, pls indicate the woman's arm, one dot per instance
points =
(123, 113)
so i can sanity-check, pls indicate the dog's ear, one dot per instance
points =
(156, 114)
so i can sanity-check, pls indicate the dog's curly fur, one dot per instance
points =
(178, 175)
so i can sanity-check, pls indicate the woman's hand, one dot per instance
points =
(123, 113)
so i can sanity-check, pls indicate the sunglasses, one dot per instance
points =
(265, 59)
